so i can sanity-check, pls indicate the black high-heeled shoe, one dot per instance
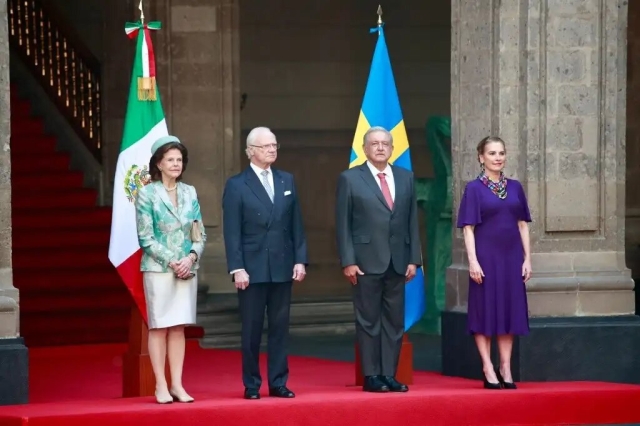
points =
(492, 386)
(506, 385)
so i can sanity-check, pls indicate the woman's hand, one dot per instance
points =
(475, 271)
(182, 268)
(526, 270)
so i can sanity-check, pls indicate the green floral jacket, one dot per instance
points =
(164, 232)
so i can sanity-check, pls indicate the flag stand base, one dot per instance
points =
(404, 374)
(137, 373)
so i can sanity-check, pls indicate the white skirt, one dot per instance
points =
(170, 300)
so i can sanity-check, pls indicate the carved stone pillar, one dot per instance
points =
(14, 361)
(198, 68)
(549, 77)
(632, 221)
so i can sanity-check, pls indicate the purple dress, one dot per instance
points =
(498, 305)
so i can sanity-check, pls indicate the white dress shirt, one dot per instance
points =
(259, 171)
(388, 177)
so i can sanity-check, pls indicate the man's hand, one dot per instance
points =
(299, 272)
(241, 280)
(352, 272)
(411, 272)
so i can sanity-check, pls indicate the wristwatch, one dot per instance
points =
(195, 254)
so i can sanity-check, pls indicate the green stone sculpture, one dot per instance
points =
(435, 198)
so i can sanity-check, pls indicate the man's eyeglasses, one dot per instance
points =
(275, 146)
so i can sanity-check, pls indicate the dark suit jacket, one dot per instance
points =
(371, 235)
(265, 239)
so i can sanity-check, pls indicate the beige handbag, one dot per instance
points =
(196, 232)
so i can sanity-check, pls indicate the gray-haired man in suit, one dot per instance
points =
(379, 246)
(266, 250)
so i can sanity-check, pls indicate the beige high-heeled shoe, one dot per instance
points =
(164, 398)
(185, 397)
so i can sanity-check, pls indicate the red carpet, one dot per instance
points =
(76, 386)
(69, 291)
(71, 294)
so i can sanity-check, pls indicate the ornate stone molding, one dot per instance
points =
(549, 77)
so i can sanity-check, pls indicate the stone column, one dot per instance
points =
(14, 361)
(633, 144)
(549, 77)
(198, 65)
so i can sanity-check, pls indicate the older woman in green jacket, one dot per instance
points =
(172, 237)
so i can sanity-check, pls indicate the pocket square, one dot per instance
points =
(287, 193)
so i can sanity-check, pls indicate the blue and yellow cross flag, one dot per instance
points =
(381, 107)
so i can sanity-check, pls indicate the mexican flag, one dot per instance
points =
(144, 124)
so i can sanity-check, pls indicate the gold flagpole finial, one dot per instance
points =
(379, 15)
(141, 13)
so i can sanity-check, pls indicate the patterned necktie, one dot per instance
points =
(265, 183)
(385, 190)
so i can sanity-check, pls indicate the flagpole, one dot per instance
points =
(141, 13)
(137, 372)
(405, 362)
(404, 371)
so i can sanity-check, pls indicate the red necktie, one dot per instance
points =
(385, 190)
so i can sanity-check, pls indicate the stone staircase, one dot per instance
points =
(220, 319)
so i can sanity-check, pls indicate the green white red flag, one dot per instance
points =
(144, 124)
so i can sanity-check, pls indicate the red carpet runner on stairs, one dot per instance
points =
(69, 291)
(80, 386)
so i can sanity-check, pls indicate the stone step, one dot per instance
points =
(329, 329)
(220, 319)
(224, 341)
(232, 340)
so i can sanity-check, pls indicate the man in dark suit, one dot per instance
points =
(379, 246)
(266, 249)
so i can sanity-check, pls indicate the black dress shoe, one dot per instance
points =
(251, 393)
(394, 385)
(374, 384)
(494, 386)
(506, 385)
(281, 392)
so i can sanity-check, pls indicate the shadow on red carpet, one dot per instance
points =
(76, 386)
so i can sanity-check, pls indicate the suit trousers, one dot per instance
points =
(378, 300)
(276, 299)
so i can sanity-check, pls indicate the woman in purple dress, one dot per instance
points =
(493, 215)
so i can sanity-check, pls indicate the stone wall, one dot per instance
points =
(304, 70)
(14, 358)
(550, 78)
(87, 18)
(9, 312)
(633, 141)
(197, 55)
(197, 66)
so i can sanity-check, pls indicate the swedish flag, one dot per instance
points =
(381, 107)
